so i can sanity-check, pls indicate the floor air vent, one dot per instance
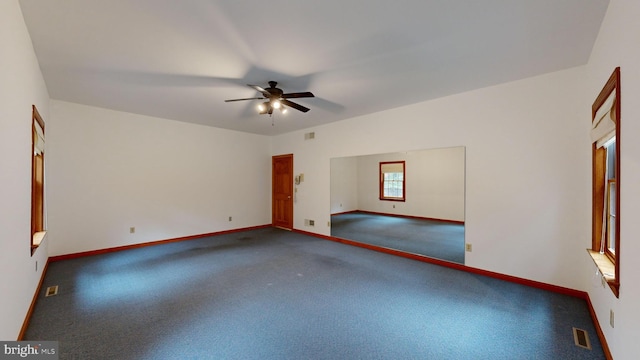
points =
(581, 338)
(52, 290)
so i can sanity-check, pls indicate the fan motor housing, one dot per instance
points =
(275, 92)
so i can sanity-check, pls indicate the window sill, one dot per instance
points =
(606, 268)
(38, 238)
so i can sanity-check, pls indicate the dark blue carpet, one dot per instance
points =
(437, 239)
(273, 294)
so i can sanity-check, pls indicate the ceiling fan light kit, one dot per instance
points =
(276, 99)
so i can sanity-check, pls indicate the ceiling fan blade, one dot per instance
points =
(294, 105)
(260, 90)
(298, 95)
(255, 98)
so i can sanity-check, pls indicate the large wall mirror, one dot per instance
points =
(428, 221)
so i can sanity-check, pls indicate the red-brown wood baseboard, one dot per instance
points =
(514, 279)
(600, 333)
(400, 216)
(150, 243)
(25, 323)
(536, 284)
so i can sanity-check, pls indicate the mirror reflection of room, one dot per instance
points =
(411, 201)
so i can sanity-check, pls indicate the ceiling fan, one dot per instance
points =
(276, 99)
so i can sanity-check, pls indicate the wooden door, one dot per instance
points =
(282, 191)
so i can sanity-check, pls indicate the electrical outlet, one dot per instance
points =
(230, 218)
(312, 223)
(611, 319)
(468, 247)
(132, 230)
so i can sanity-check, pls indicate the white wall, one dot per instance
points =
(617, 45)
(527, 171)
(110, 171)
(22, 85)
(344, 184)
(434, 184)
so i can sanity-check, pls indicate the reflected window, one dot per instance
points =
(38, 211)
(392, 180)
(605, 136)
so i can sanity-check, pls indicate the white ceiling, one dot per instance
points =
(181, 59)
